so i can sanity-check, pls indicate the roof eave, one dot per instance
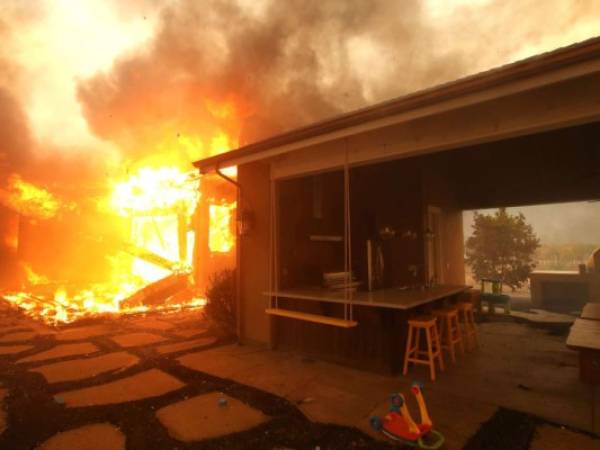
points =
(530, 67)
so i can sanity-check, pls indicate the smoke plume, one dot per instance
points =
(280, 66)
(285, 64)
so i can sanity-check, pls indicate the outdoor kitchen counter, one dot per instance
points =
(378, 341)
(396, 298)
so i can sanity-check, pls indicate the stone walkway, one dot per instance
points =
(118, 384)
(167, 383)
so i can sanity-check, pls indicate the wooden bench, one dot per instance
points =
(591, 311)
(316, 318)
(584, 337)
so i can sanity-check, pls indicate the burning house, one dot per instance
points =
(145, 260)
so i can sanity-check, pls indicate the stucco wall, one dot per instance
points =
(254, 257)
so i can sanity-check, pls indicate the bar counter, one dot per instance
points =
(377, 343)
(395, 298)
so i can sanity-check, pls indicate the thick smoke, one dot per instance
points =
(15, 149)
(283, 65)
(15, 137)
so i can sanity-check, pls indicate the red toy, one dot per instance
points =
(400, 426)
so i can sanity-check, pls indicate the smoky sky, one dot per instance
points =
(289, 63)
(283, 67)
(15, 138)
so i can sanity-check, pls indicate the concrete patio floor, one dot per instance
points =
(516, 367)
(167, 380)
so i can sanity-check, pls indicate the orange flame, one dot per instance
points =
(29, 200)
(220, 236)
(157, 204)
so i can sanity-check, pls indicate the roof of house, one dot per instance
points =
(530, 67)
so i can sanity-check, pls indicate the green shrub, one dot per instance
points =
(220, 308)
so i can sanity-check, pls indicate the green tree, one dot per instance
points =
(502, 247)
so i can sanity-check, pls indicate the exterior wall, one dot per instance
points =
(254, 252)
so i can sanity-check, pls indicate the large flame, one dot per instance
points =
(220, 235)
(156, 247)
(151, 192)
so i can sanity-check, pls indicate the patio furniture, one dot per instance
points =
(414, 354)
(468, 321)
(491, 294)
(449, 330)
(584, 337)
(591, 311)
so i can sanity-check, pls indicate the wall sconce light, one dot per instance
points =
(409, 234)
(429, 234)
(245, 222)
(386, 233)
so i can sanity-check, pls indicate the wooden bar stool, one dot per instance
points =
(413, 352)
(449, 330)
(468, 321)
(472, 296)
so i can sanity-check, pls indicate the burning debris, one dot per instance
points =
(151, 262)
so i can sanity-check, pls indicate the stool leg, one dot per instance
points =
(469, 333)
(462, 321)
(450, 340)
(438, 346)
(459, 336)
(430, 354)
(408, 349)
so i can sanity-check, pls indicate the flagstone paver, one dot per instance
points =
(549, 437)
(153, 324)
(20, 336)
(187, 345)
(190, 332)
(80, 369)
(222, 362)
(203, 417)
(137, 339)
(89, 437)
(150, 383)
(14, 349)
(80, 333)
(61, 351)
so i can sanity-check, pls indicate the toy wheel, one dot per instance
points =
(431, 441)
(376, 423)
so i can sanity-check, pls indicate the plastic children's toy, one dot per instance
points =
(400, 426)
